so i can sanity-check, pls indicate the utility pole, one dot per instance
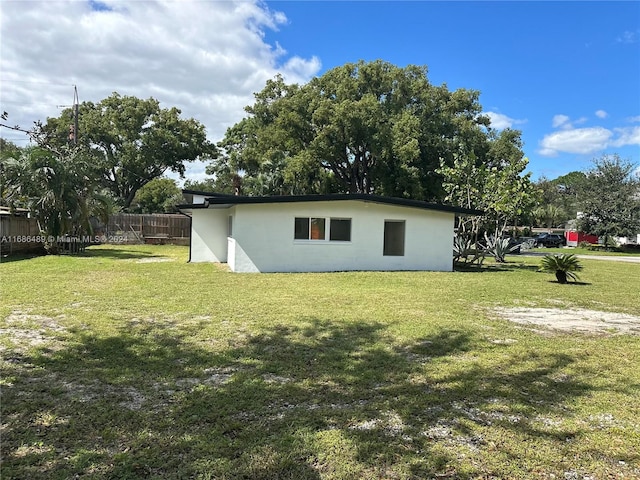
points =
(76, 107)
(73, 128)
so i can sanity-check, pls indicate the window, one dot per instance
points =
(230, 226)
(315, 228)
(393, 238)
(301, 229)
(340, 229)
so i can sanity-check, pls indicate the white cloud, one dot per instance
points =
(601, 114)
(206, 58)
(565, 122)
(634, 119)
(627, 37)
(588, 140)
(560, 120)
(626, 136)
(580, 140)
(500, 121)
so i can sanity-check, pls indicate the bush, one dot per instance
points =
(563, 265)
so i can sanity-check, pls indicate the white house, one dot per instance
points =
(320, 233)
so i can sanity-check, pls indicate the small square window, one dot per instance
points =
(340, 229)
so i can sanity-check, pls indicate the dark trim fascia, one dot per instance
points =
(405, 202)
(206, 194)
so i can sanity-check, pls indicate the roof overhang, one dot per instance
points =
(227, 201)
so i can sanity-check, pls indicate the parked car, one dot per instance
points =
(550, 240)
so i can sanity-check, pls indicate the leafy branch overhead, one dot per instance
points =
(133, 141)
(366, 127)
(123, 143)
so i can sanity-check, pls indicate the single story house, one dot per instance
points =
(321, 233)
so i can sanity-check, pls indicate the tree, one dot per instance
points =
(206, 185)
(491, 178)
(8, 153)
(160, 195)
(359, 128)
(558, 199)
(133, 141)
(610, 198)
(57, 189)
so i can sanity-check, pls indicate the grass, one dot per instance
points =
(626, 252)
(128, 362)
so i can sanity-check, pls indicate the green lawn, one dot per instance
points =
(623, 251)
(129, 362)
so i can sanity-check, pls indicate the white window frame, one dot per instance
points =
(327, 231)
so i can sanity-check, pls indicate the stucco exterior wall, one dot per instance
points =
(209, 235)
(263, 238)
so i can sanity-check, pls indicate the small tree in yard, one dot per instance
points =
(610, 199)
(563, 266)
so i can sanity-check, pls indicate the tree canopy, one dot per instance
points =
(160, 195)
(56, 188)
(366, 127)
(558, 199)
(495, 183)
(132, 141)
(610, 198)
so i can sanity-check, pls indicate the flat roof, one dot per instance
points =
(230, 200)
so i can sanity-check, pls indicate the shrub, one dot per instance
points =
(499, 247)
(563, 265)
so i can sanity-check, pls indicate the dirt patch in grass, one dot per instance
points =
(574, 319)
(155, 260)
(25, 330)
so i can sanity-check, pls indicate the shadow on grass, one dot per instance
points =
(21, 256)
(116, 254)
(495, 268)
(320, 398)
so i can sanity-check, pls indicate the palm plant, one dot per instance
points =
(57, 190)
(563, 265)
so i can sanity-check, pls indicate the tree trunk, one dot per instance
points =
(561, 275)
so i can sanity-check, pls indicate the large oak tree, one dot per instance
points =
(132, 141)
(366, 127)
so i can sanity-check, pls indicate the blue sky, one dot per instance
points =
(567, 74)
(565, 71)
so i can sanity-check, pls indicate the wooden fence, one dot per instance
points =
(19, 234)
(146, 228)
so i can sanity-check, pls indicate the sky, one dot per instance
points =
(566, 74)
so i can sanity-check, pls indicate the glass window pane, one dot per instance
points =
(301, 229)
(393, 238)
(340, 229)
(317, 229)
